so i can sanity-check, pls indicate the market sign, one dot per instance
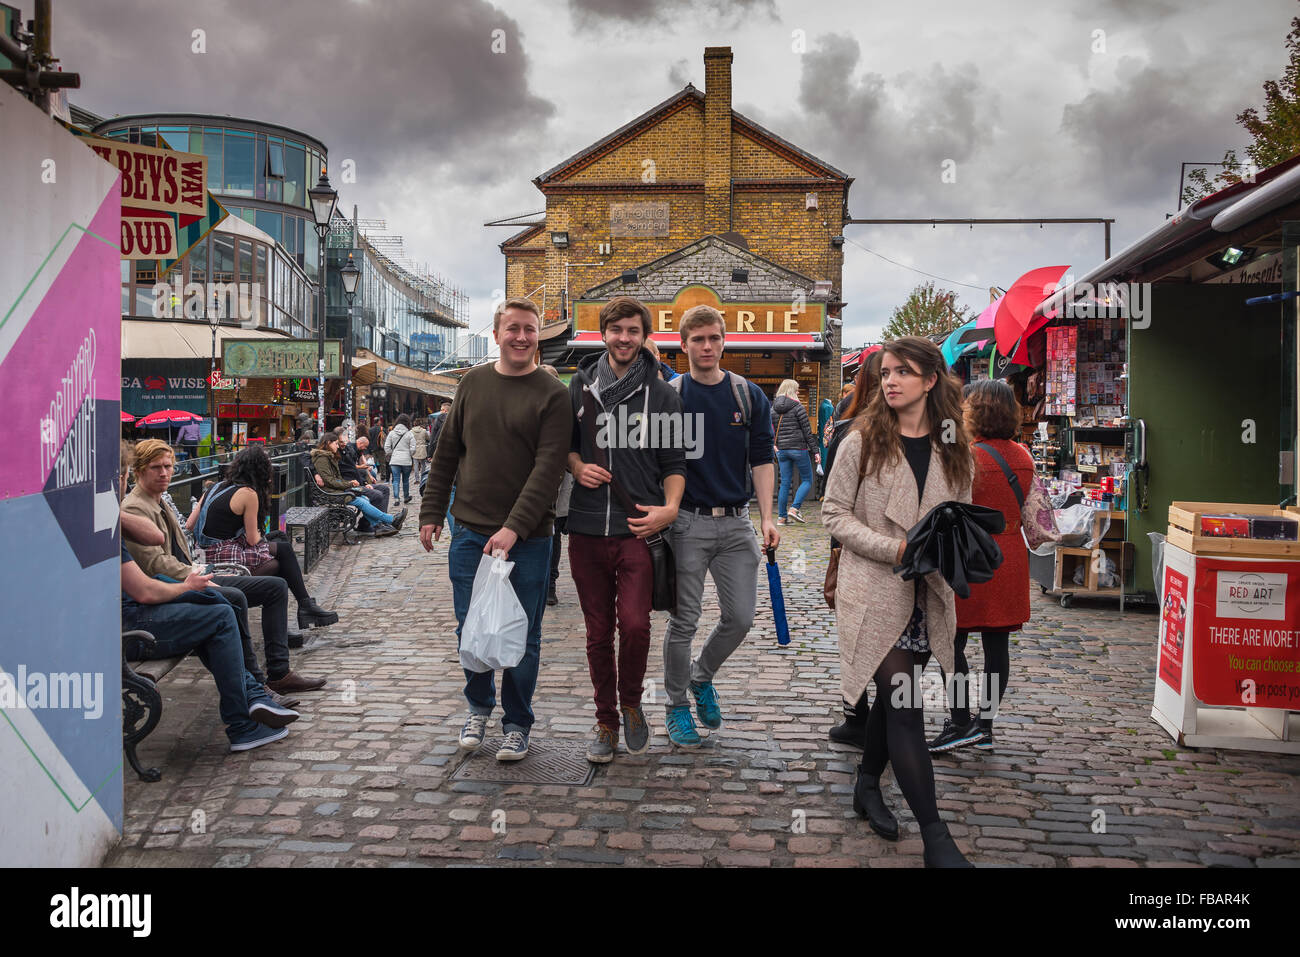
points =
(638, 219)
(777, 317)
(275, 358)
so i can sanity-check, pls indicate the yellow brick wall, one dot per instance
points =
(779, 228)
(749, 160)
(674, 145)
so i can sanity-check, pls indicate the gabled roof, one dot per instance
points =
(688, 96)
(525, 234)
(766, 277)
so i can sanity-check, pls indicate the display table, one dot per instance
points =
(1228, 659)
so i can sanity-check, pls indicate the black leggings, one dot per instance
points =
(284, 564)
(993, 686)
(896, 732)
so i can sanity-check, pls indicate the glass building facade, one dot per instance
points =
(258, 171)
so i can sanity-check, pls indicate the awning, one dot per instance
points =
(748, 341)
(856, 358)
(176, 339)
(364, 373)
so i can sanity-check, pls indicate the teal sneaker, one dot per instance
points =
(706, 704)
(681, 728)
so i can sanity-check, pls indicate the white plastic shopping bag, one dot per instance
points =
(496, 626)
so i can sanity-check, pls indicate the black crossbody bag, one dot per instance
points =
(663, 596)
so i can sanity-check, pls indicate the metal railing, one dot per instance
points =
(289, 483)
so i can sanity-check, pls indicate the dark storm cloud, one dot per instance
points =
(891, 133)
(396, 86)
(593, 14)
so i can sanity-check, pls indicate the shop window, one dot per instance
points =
(249, 215)
(269, 223)
(223, 257)
(275, 158)
(173, 138)
(213, 146)
(198, 261)
(196, 141)
(133, 134)
(311, 247)
(149, 136)
(259, 168)
(245, 260)
(260, 269)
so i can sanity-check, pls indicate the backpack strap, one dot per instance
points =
(220, 490)
(1006, 470)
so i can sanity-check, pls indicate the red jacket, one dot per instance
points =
(1003, 603)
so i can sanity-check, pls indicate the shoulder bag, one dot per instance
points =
(663, 596)
(1036, 515)
(833, 566)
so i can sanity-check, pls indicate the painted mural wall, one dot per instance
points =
(60, 574)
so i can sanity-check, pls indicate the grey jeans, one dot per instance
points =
(727, 548)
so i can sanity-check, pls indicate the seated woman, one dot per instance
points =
(232, 513)
(325, 460)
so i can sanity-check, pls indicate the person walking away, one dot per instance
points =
(893, 468)
(1000, 606)
(506, 437)
(188, 437)
(713, 532)
(419, 453)
(378, 435)
(398, 447)
(794, 441)
(608, 553)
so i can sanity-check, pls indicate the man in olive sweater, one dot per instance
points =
(504, 445)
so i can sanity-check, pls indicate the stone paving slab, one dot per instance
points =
(365, 776)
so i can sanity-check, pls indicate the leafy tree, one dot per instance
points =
(927, 312)
(1275, 136)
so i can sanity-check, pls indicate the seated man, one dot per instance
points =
(153, 466)
(325, 462)
(189, 616)
(353, 469)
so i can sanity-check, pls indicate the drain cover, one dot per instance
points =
(548, 762)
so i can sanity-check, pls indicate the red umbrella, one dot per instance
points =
(127, 417)
(172, 417)
(1017, 310)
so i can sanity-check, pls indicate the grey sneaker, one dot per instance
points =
(514, 748)
(636, 731)
(603, 744)
(471, 736)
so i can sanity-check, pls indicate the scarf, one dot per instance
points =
(614, 390)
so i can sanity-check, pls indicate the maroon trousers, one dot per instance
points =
(614, 579)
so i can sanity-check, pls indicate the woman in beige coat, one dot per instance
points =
(907, 453)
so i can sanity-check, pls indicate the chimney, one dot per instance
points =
(717, 139)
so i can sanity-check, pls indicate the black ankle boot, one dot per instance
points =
(853, 731)
(311, 615)
(940, 849)
(869, 803)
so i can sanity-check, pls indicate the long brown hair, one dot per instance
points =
(865, 385)
(879, 423)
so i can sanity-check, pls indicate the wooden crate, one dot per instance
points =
(1185, 525)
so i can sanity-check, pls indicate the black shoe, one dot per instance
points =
(295, 639)
(407, 500)
(398, 519)
(312, 615)
(551, 597)
(383, 531)
(869, 803)
(985, 743)
(850, 733)
(940, 849)
(956, 737)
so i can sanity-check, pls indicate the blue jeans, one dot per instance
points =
(789, 460)
(370, 512)
(401, 480)
(179, 627)
(531, 574)
(451, 522)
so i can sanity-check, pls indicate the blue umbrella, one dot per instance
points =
(778, 598)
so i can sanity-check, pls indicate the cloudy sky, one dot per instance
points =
(1083, 108)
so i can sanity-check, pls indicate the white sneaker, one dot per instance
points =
(798, 516)
(471, 736)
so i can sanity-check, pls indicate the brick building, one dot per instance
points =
(693, 202)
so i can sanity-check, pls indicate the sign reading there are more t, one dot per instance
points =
(638, 219)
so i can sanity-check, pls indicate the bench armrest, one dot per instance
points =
(137, 645)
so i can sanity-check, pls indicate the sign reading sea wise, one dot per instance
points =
(272, 359)
(638, 219)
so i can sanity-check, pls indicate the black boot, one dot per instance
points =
(551, 597)
(853, 731)
(312, 615)
(940, 849)
(869, 803)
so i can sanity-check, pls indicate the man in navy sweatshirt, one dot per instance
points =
(713, 532)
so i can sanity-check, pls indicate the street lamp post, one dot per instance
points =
(349, 274)
(323, 197)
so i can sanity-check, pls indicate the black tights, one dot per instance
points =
(993, 686)
(284, 564)
(896, 732)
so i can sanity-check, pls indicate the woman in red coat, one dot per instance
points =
(1000, 606)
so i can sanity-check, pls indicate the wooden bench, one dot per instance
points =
(141, 701)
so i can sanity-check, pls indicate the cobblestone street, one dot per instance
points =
(1081, 775)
